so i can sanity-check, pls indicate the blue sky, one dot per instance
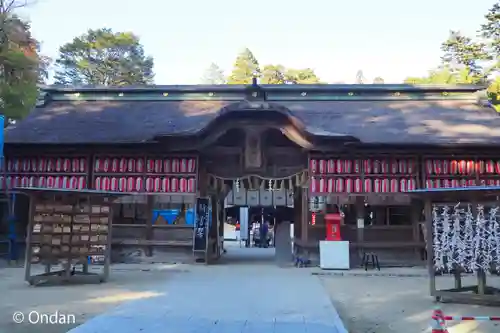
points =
(387, 38)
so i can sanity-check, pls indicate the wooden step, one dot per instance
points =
(145, 242)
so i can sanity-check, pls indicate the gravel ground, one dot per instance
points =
(390, 304)
(128, 282)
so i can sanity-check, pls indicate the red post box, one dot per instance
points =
(332, 222)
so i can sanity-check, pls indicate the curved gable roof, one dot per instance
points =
(385, 114)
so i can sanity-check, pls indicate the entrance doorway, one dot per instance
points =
(259, 233)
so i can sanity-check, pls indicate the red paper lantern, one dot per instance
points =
(348, 166)
(130, 184)
(340, 166)
(82, 182)
(368, 185)
(24, 181)
(349, 185)
(376, 166)
(490, 167)
(384, 167)
(314, 185)
(66, 165)
(122, 184)
(368, 166)
(122, 166)
(183, 185)
(446, 167)
(330, 168)
(98, 183)
(59, 164)
(167, 166)
(174, 184)
(73, 182)
(83, 165)
(175, 165)
(191, 185)
(429, 167)
(357, 166)
(394, 167)
(75, 165)
(191, 165)
(322, 166)
(394, 185)
(42, 182)
(114, 184)
(139, 184)
(165, 184)
(158, 166)
(339, 185)
(98, 165)
(313, 166)
(33, 182)
(358, 185)
(51, 182)
(149, 184)
(331, 185)
(150, 166)
(58, 182)
(65, 182)
(131, 165)
(115, 165)
(26, 164)
(139, 165)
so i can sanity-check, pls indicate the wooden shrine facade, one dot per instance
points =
(353, 148)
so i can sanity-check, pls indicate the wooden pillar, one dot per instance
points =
(430, 250)
(149, 223)
(360, 219)
(416, 213)
(304, 209)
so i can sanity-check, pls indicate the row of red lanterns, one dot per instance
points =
(131, 165)
(63, 182)
(453, 183)
(141, 184)
(35, 164)
(356, 185)
(461, 167)
(370, 166)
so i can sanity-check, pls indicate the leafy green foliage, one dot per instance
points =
(490, 31)
(245, 68)
(103, 57)
(301, 76)
(462, 52)
(273, 74)
(213, 75)
(21, 67)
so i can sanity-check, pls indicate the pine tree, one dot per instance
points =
(245, 68)
(213, 75)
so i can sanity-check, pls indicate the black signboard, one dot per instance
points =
(201, 222)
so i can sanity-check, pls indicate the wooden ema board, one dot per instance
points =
(68, 232)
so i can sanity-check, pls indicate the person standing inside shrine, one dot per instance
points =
(264, 228)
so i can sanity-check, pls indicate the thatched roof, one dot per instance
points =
(384, 114)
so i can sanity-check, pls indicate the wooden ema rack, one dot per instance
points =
(66, 234)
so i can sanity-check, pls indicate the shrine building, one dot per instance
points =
(354, 149)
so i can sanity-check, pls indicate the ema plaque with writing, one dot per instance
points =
(201, 223)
